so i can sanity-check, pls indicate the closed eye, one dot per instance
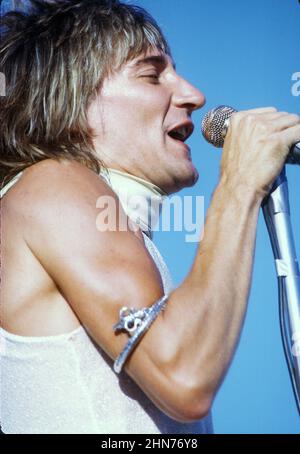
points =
(153, 77)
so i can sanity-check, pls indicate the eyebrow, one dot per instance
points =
(153, 59)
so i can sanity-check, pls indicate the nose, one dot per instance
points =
(187, 96)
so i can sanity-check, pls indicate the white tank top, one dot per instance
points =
(66, 384)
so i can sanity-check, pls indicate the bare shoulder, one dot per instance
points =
(53, 180)
(59, 214)
(64, 199)
(58, 195)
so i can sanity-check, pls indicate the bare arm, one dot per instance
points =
(215, 293)
(182, 359)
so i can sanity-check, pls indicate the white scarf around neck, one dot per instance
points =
(140, 199)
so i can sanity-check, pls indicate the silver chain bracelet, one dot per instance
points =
(136, 322)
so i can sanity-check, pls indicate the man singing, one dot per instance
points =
(94, 338)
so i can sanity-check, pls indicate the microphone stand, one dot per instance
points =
(276, 210)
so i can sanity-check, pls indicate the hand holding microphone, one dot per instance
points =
(257, 143)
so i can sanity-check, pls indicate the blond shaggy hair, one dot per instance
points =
(54, 59)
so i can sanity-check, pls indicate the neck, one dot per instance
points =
(140, 199)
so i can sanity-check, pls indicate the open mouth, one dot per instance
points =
(181, 132)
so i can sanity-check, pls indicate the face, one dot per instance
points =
(141, 119)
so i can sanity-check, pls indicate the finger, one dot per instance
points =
(261, 110)
(238, 115)
(291, 135)
(272, 115)
(284, 122)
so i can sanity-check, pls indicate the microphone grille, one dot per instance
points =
(214, 123)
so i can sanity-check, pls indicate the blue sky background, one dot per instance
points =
(241, 53)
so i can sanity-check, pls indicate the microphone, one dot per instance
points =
(216, 123)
